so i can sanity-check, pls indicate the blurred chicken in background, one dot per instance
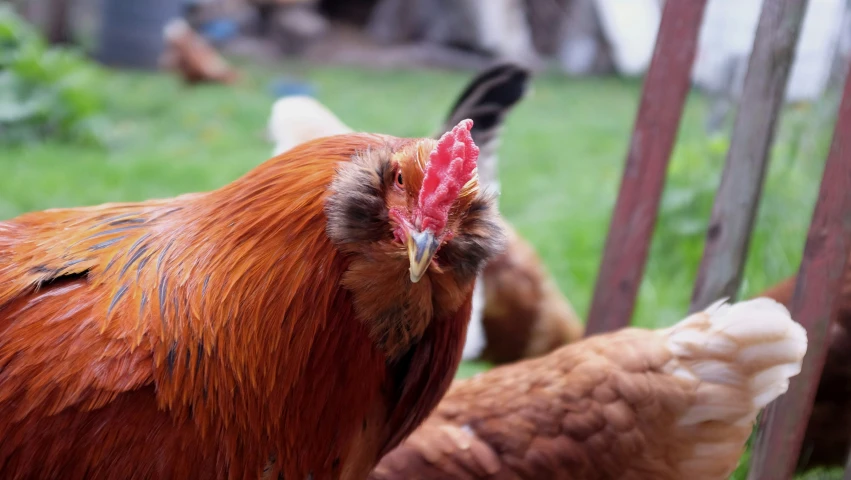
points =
(518, 311)
(298, 119)
(525, 314)
(826, 441)
(189, 54)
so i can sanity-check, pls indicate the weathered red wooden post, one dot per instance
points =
(736, 200)
(813, 305)
(665, 88)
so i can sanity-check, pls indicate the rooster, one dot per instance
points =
(296, 323)
(518, 310)
(671, 404)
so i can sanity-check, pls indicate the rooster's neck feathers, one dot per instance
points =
(358, 223)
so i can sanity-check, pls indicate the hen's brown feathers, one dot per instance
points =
(213, 329)
(634, 404)
(574, 411)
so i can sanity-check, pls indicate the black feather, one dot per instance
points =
(171, 358)
(136, 251)
(113, 231)
(488, 97)
(106, 243)
(116, 298)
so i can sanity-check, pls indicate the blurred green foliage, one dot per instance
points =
(45, 92)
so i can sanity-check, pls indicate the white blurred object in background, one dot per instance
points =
(727, 35)
(297, 119)
(502, 28)
(476, 340)
(630, 27)
(725, 41)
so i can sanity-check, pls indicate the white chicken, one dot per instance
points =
(297, 119)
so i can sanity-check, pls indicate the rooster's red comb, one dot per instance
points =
(450, 166)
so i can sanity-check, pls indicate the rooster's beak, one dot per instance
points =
(421, 249)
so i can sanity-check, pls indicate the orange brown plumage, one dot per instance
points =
(237, 332)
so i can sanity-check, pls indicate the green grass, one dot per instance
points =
(561, 161)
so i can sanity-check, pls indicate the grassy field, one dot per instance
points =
(561, 161)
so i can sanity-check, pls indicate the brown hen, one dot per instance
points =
(671, 404)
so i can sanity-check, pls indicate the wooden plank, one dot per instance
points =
(665, 88)
(736, 201)
(813, 305)
(847, 475)
(59, 22)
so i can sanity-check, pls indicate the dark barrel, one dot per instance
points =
(131, 31)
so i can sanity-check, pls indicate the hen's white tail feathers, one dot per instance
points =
(741, 355)
(298, 119)
(737, 358)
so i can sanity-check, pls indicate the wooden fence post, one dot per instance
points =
(813, 305)
(847, 475)
(59, 22)
(738, 195)
(663, 97)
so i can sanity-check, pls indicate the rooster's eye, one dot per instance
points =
(399, 179)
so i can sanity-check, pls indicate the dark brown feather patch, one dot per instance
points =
(356, 209)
